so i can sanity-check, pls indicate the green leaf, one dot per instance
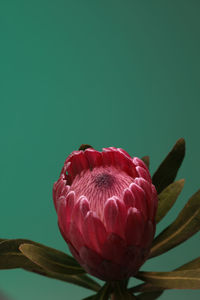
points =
(50, 259)
(150, 290)
(103, 293)
(81, 280)
(194, 264)
(12, 257)
(120, 292)
(9, 249)
(167, 198)
(2, 240)
(90, 297)
(149, 295)
(185, 279)
(186, 224)
(144, 288)
(166, 173)
(146, 160)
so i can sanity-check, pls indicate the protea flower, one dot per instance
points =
(106, 206)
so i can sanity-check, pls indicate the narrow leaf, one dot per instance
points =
(50, 259)
(81, 280)
(122, 293)
(10, 249)
(150, 290)
(11, 257)
(167, 198)
(149, 295)
(104, 292)
(146, 160)
(144, 288)
(186, 224)
(194, 264)
(185, 279)
(166, 173)
(90, 297)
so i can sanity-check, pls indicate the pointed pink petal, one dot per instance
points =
(155, 200)
(54, 194)
(60, 188)
(94, 157)
(69, 208)
(114, 248)
(148, 235)
(94, 232)
(108, 157)
(124, 152)
(84, 205)
(91, 258)
(65, 191)
(125, 163)
(70, 172)
(139, 162)
(62, 212)
(83, 161)
(134, 227)
(79, 162)
(128, 198)
(75, 253)
(145, 185)
(121, 218)
(79, 211)
(75, 236)
(143, 173)
(110, 214)
(140, 199)
(74, 159)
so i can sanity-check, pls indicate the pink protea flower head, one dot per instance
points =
(106, 206)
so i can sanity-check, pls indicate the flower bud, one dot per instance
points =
(106, 206)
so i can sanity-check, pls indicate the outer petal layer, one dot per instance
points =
(106, 206)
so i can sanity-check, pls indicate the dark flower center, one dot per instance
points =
(104, 180)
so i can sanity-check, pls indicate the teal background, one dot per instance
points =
(107, 73)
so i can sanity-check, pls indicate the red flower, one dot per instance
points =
(106, 206)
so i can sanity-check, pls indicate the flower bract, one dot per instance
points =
(106, 205)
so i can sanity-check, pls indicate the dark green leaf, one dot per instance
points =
(50, 259)
(10, 249)
(121, 293)
(167, 198)
(2, 240)
(146, 160)
(186, 224)
(81, 280)
(103, 293)
(149, 289)
(194, 264)
(149, 295)
(166, 173)
(12, 257)
(185, 279)
(90, 297)
(144, 287)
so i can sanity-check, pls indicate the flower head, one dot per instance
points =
(106, 206)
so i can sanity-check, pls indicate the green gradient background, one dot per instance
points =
(108, 73)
